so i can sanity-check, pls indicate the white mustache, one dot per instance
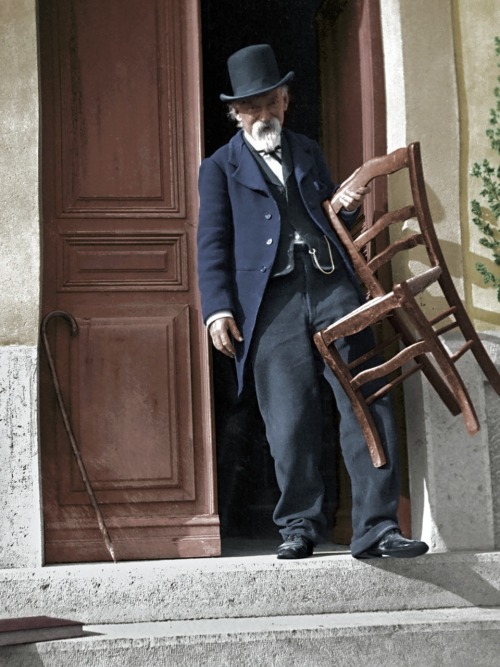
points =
(267, 134)
(261, 128)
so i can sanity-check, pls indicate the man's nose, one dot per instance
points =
(265, 115)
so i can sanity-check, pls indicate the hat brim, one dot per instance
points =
(256, 92)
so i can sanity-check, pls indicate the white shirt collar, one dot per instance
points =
(275, 165)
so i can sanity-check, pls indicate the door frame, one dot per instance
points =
(367, 100)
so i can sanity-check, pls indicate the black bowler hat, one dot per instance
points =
(253, 71)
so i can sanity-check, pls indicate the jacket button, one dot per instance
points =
(263, 269)
(269, 242)
(268, 216)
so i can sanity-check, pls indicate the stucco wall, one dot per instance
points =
(429, 99)
(440, 68)
(422, 105)
(475, 26)
(19, 203)
(427, 66)
(20, 512)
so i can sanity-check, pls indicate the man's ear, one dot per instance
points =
(286, 100)
(236, 110)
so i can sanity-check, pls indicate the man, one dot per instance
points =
(272, 273)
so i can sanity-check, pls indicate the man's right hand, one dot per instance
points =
(223, 331)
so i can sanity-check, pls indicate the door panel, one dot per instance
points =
(122, 107)
(120, 152)
(89, 262)
(146, 359)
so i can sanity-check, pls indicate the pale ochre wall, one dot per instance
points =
(475, 26)
(440, 73)
(421, 102)
(440, 70)
(19, 204)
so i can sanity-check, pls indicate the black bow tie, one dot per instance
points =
(275, 153)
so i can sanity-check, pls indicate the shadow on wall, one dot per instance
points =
(25, 655)
(411, 263)
(461, 576)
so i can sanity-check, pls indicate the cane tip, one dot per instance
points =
(112, 552)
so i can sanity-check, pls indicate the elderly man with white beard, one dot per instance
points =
(271, 273)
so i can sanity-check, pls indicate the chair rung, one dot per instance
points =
(462, 351)
(373, 352)
(393, 383)
(390, 218)
(441, 316)
(447, 327)
(388, 253)
(391, 365)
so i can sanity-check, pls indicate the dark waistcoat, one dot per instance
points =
(294, 218)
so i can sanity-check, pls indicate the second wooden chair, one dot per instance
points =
(421, 348)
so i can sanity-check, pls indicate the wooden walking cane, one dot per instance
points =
(67, 424)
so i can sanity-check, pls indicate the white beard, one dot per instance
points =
(266, 135)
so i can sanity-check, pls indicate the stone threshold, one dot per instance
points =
(344, 622)
(444, 637)
(250, 586)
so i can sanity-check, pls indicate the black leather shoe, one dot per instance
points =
(295, 546)
(393, 544)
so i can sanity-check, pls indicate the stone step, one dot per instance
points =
(440, 637)
(252, 586)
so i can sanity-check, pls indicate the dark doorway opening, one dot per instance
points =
(246, 482)
(290, 28)
(337, 98)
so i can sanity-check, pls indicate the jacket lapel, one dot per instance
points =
(303, 163)
(246, 170)
(302, 159)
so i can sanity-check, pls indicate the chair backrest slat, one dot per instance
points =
(369, 250)
(397, 246)
(371, 253)
(377, 166)
(385, 221)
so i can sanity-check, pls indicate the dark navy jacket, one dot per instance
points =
(239, 228)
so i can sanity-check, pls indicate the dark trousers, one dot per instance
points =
(287, 371)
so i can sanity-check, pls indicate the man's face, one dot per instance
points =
(263, 108)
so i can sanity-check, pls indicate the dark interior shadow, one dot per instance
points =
(228, 26)
(247, 488)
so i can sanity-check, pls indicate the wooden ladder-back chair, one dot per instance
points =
(420, 346)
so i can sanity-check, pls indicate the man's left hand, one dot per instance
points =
(351, 199)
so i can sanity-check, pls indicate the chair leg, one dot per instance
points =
(442, 358)
(359, 406)
(478, 350)
(430, 372)
(486, 364)
(469, 333)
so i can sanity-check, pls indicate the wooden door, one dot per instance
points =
(353, 130)
(120, 154)
(352, 86)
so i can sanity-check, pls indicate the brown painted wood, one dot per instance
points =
(353, 130)
(352, 90)
(120, 151)
(422, 350)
